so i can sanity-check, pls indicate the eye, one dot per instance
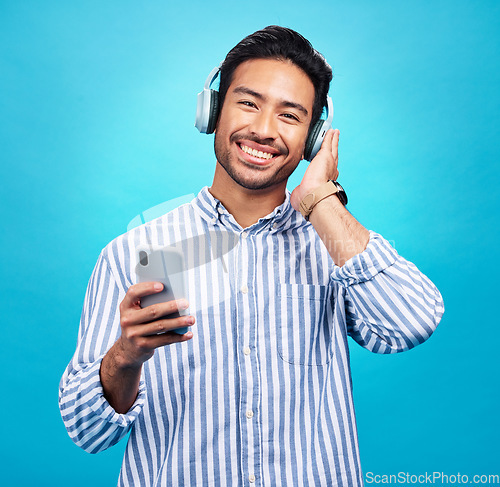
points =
(247, 103)
(291, 116)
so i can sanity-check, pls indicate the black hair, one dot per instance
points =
(280, 43)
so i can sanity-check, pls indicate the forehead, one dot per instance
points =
(276, 80)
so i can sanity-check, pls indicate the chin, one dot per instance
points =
(250, 176)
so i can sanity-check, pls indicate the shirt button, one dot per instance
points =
(247, 351)
(244, 234)
(251, 477)
(244, 289)
(219, 209)
(214, 220)
(249, 414)
(275, 225)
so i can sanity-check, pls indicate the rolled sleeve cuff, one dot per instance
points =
(101, 407)
(378, 255)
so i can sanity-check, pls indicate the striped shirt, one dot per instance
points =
(261, 395)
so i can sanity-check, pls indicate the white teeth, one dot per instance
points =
(256, 153)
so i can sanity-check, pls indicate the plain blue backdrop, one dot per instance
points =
(97, 103)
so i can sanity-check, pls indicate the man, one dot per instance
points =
(259, 393)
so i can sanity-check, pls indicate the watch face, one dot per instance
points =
(341, 193)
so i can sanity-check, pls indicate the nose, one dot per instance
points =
(264, 125)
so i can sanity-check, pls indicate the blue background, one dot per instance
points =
(97, 103)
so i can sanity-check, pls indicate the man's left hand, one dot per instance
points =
(322, 168)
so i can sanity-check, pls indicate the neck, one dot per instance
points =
(246, 205)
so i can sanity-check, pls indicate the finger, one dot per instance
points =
(150, 342)
(165, 325)
(154, 312)
(335, 143)
(137, 291)
(168, 339)
(327, 141)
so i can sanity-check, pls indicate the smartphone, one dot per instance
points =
(165, 265)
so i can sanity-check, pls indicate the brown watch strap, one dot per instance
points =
(312, 199)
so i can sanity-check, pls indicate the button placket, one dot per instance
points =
(244, 323)
(248, 359)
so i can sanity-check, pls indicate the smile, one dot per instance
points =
(256, 153)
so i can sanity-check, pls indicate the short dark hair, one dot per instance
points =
(280, 43)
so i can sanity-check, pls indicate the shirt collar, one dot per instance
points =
(213, 211)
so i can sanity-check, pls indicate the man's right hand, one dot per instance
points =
(145, 329)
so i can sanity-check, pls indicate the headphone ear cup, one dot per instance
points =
(311, 140)
(213, 111)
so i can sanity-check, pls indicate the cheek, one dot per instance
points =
(297, 145)
(231, 121)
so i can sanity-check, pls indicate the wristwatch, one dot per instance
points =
(320, 193)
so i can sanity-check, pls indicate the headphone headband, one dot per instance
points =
(211, 77)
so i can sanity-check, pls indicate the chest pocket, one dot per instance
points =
(305, 324)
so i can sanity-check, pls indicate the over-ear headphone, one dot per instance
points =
(207, 111)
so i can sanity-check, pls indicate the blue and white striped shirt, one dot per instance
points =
(261, 395)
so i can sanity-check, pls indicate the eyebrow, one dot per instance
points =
(286, 103)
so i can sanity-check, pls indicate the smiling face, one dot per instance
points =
(264, 121)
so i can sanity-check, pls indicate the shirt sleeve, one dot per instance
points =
(91, 421)
(390, 305)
